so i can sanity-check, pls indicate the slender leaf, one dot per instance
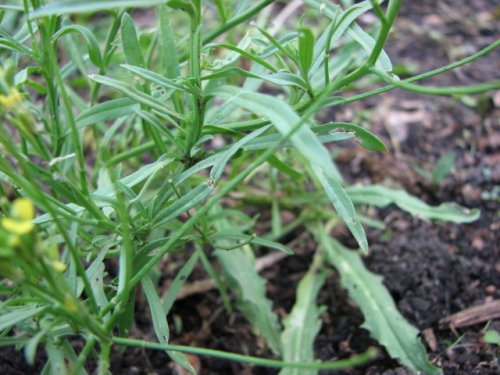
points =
(92, 44)
(382, 318)
(155, 78)
(367, 139)
(168, 49)
(178, 282)
(183, 204)
(283, 118)
(303, 323)
(160, 324)
(19, 315)
(137, 95)
(239, 271)
(245, 238)
(221, 163)
(367, 42)
(110, 110)
(306, 49)
(382, 196)
(108, 192)
(72, 6)
(55, 359)
(130, 42)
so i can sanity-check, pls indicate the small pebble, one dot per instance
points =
(478, 244)
(490, 290)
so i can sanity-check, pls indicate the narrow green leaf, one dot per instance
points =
(232, 56)
(92, 44)
(158, 316)
(183, 204)
(244, 53)
(367, 43)
(72, 6)
(238, 269)
(382, 196)
(110, 110)
(345, 19)
(279, 78)
(130, 42)
(160, 324)
(306, 49)
(155, 78)
(303, 323)
(138, 96)
(250, 289)
(382, 318)
(108, 192)
(245, 238)
(322, 134)
(492, 337)
(343, 204)
(32, 345)
(283, 118)
(221, 163)
(168, 49)
(10, 319)
(179, 281)
(55, 359)
(285, 168)
(367, 139)
(279, 45)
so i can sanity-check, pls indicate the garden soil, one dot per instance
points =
(432, 270)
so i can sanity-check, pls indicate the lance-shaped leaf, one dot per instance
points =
(92, 44)
(382, 319)
(303, 323)
(366, 139)
(284, 118)
(381, 196)
(72, 6)
(160, 324)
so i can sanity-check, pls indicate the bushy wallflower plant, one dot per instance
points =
(137, 142)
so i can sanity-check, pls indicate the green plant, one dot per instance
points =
(108, 130)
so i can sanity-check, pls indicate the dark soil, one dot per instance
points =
(432, 270)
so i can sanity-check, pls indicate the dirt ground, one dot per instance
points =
(432, 270)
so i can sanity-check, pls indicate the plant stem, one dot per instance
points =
(197, 103)
(431, 73)
(357, 360)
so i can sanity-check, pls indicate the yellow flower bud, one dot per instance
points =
(18, 227)
(21, 220)
(11, 101)
(58, 266)
(23, 209)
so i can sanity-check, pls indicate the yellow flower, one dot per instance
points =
(21, 220)
(70, 304)
(12, 100)
(58, 266)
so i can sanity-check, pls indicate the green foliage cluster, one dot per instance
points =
(131, 141)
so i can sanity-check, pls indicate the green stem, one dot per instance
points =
(392, 11)
(104, 358)
(431, 90)
(75, 137)
(250, 12)
(357, 360)
(432, 73)
(197, 104)
(82, 358)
